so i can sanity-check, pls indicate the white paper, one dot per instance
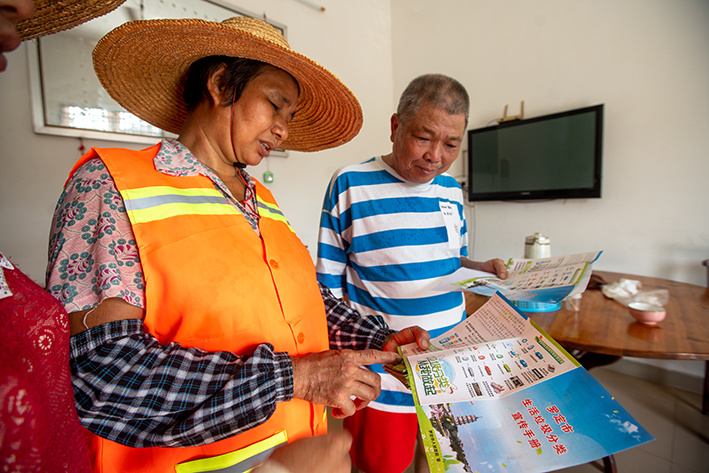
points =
(462, 274)
(4, 288)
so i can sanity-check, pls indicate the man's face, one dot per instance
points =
(426, 145)
(11, 11)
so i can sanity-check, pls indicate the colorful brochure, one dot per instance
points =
(497, 394)
(546, 280)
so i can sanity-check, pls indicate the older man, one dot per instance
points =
(391, 228)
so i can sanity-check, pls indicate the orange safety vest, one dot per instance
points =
(212, 283)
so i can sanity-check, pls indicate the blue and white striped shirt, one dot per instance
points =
(386, 243)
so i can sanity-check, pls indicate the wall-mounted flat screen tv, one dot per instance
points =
(556, 156)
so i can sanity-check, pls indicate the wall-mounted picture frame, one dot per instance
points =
(67, 98)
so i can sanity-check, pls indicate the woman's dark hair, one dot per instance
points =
(239, 72)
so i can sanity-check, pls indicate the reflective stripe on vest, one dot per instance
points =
(147, 204)
(271, 211)
(241, 461)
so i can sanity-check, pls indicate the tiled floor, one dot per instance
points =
(671, 415)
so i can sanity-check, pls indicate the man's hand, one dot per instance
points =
(321, 454)
(406, 336)
(495, 266)
(337, 378)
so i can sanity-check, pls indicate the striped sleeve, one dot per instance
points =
(332, 247)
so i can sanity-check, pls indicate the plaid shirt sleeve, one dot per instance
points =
(130, 389)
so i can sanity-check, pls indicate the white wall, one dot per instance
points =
(352, 39)
(645, 59)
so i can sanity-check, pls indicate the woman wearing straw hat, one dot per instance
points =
(196, 317)
(39, 425)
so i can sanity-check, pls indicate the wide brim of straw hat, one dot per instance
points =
(53, 16)
(142, 64)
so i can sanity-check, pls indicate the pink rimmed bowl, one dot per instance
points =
(646, 313)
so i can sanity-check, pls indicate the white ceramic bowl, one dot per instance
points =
(648, 314)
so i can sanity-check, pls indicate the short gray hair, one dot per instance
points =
(437, 90)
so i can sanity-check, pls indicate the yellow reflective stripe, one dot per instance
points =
(172, 210)
(268, 210)
(141, 192)
(147, 204)
(237, 461)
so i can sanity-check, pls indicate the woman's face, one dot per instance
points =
(262, 114)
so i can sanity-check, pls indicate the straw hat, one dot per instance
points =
(142, 64)
(53, 16)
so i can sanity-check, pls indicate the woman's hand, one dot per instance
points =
(338, 379)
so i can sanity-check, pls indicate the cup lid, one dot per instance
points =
(537, 238)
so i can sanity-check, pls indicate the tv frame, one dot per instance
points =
(570, 193)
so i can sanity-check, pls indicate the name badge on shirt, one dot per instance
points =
(452, 222)
(4, 288)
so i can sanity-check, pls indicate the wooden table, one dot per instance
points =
(603, 326)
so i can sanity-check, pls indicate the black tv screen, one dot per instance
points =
(554, 156)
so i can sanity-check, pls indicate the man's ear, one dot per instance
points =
(215, 91)
(394, 126)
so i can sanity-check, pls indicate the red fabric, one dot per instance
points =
(383, 442)
(39, 427)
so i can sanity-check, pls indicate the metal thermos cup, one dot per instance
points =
(537, 246)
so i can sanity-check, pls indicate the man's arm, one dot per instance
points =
(332, 259)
